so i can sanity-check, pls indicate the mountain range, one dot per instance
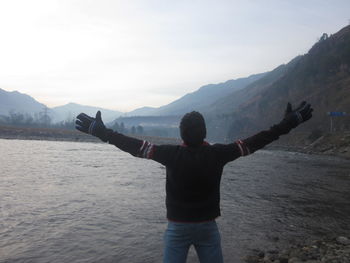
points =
(196, 100)
(16, 102)
(243, 106)
(199, 99)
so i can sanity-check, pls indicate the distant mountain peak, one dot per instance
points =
(72, 109)
(15, 101)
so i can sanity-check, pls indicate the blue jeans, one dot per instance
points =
(205, 238)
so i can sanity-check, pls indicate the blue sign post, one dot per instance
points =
(335, 114)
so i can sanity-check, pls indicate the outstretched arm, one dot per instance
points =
(96, 127)
(292, 118)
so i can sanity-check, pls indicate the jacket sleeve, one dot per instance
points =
(134, 146)
(263, 138)
(232, 151)
(142, 148)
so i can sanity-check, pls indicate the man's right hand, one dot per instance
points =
(298, 115)
(93, 126)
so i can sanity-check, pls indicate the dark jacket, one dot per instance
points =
(193, 174)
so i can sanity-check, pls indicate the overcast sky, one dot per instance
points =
(132, 53)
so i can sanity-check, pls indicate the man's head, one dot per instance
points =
(192, 128)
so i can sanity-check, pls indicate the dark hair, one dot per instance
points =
(192, 128)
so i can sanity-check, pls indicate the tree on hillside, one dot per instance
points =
(323, 37)
(139, 129)
(44, 118)
(122, 128)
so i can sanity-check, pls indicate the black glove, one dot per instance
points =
(93, 126)
(297, 116)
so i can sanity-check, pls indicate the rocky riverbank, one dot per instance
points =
(335, 144)
(327, 250)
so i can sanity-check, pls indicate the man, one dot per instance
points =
(193, 174)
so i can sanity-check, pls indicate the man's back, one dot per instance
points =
(193, 177)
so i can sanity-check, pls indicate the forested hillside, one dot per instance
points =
(322, 77)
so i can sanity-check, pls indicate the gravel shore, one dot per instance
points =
(334, 144)
(327, 250)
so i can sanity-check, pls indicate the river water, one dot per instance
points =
(88, 202)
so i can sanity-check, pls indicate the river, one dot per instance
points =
(90, 202)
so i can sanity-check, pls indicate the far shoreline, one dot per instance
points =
(54, 134)
(329, 144)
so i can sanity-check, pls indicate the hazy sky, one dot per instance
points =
(132, 53)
